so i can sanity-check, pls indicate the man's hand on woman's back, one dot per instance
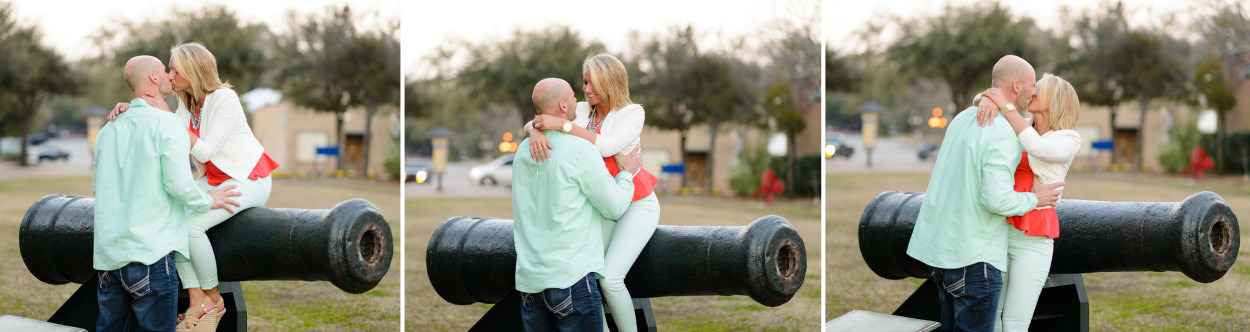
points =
(1048, 194)
(630, 162)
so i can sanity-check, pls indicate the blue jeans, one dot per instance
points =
(576, 308)
(968, 296)
(149, 293)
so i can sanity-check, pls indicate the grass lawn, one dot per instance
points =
(1121, 301)
(272, 305)
(427, 311)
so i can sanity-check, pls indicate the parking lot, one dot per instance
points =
(78, 164)
(456, 183)
(896, 154)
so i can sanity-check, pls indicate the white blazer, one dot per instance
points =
(621, 128)
(225, 138)
(1050, 155)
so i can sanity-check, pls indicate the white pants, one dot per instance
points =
(1028, 261)
(201, 270)
(623, 241)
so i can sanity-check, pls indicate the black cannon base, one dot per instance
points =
(506, 315)
(82, 308)
(1062, 305)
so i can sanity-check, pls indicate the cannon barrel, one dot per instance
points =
(1198, 236)
(473, 259)
(349, 245)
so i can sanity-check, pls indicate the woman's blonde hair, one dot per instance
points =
(607, 74)
(1065, 107)
(195, 63)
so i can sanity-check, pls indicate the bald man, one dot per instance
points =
(143, 187)
(557, 204)
(961, 232)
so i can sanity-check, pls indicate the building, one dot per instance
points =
(1160, 118)
(1237, 74)
(663, 147)
(291, 135)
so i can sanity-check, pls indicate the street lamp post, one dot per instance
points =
(95, 120)
(440, 140)
(869, 114)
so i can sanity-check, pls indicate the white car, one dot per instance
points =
(496, 172)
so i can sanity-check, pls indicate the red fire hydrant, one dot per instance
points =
(1200, 162)
(769, 186)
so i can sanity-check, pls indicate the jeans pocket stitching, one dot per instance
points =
(527, 300)
(957, 288)
(103, 281)
(141, 287)
(564, 307)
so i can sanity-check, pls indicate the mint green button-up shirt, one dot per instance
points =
(970, 191)
(556, 207)
(143, 188)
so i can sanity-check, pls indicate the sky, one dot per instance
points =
(428, 24)
(427, 27)
(67, 25)
(842, 18)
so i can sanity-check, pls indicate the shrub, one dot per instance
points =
(744, 178)
(393, 162)
(806, 174)
(1174, 156)
(1236, 151)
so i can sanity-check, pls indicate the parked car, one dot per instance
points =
(834, 147)
(37, 138)
(416, 173)
(52, 152)
(926, 151)
(496, 172)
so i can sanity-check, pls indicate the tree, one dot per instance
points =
(777, 101)
(1212, 84)
(960, 45)
(1097, 71)
(839, 74)
(504, 73)
(238, 46)
(1113, 63)
(373, 77)
(1155, 71)
(29, 73)
(1225, 32)
(669, 86)
(317, 73)
(725, 94)
(416, 102)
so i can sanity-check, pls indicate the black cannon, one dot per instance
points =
(473, 260)
(1198, 236)
(349, 245)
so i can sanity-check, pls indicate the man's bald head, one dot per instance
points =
(1012, 68)
(1016, 78)
(138, 70)
(548, 94)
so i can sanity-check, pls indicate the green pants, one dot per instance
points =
(1028, 266)
(201, 270)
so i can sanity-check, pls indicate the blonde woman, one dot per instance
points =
(613, 123)
(226, 153)
(1050, 145)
